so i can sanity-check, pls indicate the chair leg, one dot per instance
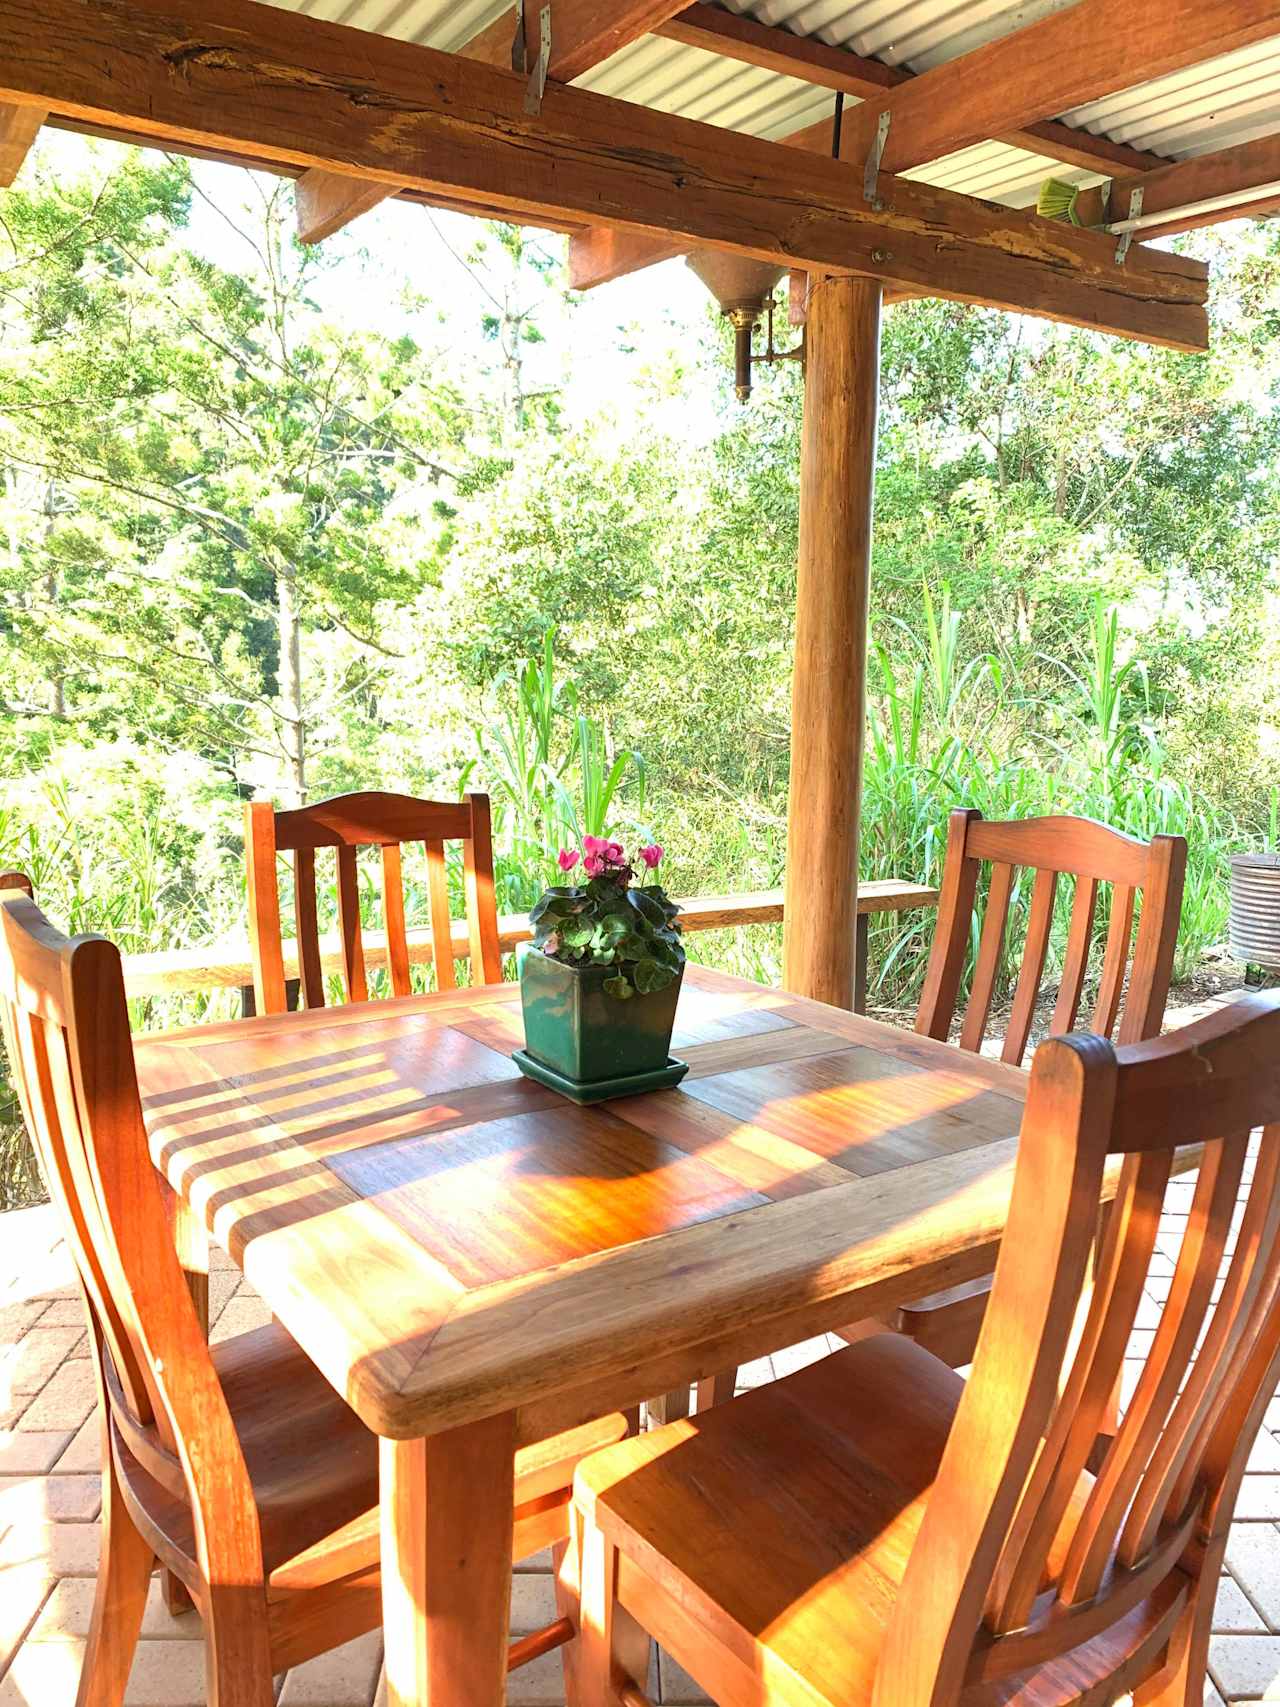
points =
(614, 1656)
(564, 1557)
(1180, 1681)
(238, 1648)
(716, 1389)
(124, 1577)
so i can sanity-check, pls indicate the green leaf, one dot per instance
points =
(619, 989)
(578, 933)
(650, 976)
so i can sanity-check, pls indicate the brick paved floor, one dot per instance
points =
(49, 1501)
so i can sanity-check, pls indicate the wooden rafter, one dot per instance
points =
(736, 36)
(19, 127)
(274, 84)
(1182, 188)
(583, 32)
(1075, 55)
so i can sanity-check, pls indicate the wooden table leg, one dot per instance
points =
(447, 1514)
(862, 943)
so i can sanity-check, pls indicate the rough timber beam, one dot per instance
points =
(1075, 55)
(583, 32)
(264, 82)
(1185, 185)
(19, 127)
(733, 35)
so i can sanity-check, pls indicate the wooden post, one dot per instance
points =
(828, 696)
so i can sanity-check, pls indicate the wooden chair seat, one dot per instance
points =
(821, 1480)
(312, 1465)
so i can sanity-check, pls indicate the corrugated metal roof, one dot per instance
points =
(1230, 100)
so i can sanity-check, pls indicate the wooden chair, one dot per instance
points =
(352, 821)
(235, 1466)
(876, 1530)
(947, 1322)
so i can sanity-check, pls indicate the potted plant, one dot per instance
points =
(601, 979)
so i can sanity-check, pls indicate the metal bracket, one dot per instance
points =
(871, 173)
(1126, 237)
(537, 84)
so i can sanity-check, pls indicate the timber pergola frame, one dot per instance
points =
(497, 129)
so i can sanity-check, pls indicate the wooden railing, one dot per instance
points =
(229, 965)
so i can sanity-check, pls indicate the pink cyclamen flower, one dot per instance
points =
(567, 858)
(652, 855)
(593, 865)
(594, 844)
(613, 851)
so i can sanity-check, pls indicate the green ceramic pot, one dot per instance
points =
(573, 1026)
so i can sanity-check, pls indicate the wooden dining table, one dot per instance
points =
(475, 1262)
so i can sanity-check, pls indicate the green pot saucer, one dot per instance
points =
(600, 1090)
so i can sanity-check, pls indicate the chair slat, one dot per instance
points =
(1195, 1273)
(482, 914)
(1076, 962)
(1166, 1485)
(987, 966)
(1127, 1247)
(1115, 958)
(308, 928)
(393, 914)
(347, 823)
(349, 925)
(441, 924)
(1039, 924)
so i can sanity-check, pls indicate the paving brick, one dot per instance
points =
(43, 1674)
(345, 1677)
(1259, 1497)
(64, 1313)
(67, 1612)
(25, 1453)
(23, 1591)
(1246, 1668)
(1264, 1455)
(1233, 1612)
(66, 1400)
(533, 1601)
(167, 1674)
(15, 1319)
(49, 1499)
(27, 1364)
(84, 1451)
(240, 1316)
(1253, 1558)
(539, 1684)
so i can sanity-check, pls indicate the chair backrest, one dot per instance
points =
(346, 823)
(1053, 847)
(1024, 1552)
(66, 1030)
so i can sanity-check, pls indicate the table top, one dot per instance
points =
(447, 1239)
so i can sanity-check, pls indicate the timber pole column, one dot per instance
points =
(828, 693)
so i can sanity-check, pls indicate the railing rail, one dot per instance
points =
(229, 965)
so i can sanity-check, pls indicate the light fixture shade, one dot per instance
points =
(741, 285)
(736, 281)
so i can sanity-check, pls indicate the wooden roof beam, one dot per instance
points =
(1079, 54)
(583, 32)
(269, 84)
(1247, 174)
(19, 127)
(736, 36)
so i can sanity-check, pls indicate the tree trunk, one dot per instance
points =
(292, 727)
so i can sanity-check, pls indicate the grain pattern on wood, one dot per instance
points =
(239, 1467)
(1182, 184)
(828, 686)
(346, 824)
(1073, 56)
(19, 127)
(875, 1529)
(284, 87)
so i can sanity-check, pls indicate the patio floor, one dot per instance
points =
(49, 1501)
